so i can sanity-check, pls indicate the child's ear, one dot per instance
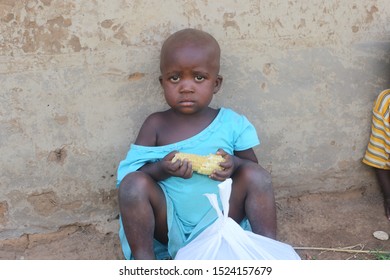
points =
(218, 83)
(160, 79)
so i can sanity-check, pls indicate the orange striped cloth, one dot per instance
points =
(378, 148)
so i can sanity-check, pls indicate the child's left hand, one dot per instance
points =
(227, 165)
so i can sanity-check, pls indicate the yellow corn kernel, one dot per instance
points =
(201, 164)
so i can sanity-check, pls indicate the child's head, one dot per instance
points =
(192, 39)
(189, 63)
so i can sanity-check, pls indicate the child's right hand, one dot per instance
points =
(179, 168)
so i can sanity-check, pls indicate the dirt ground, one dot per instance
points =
(342, 221)
(323, 222)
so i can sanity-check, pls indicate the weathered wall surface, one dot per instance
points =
(79, 77)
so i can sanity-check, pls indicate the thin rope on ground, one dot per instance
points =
(344, 250)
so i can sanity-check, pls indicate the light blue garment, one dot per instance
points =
(188, 210)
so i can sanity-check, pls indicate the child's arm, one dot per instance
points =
(247, 155)
(232, 163)
(165, 168)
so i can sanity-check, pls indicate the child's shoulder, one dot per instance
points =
(382, 102)
(155, 118)
(147, 135)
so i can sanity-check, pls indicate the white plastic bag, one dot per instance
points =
(226, 240)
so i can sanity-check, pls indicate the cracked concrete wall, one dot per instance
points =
(79, 77)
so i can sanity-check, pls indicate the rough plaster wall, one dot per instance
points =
(79, 77)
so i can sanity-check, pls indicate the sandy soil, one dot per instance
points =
(331, 221)
(322, 222)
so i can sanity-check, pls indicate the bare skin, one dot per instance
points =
(189, 77)
(383, 177)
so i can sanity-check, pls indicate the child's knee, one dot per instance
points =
(254, 174)
(133, 184)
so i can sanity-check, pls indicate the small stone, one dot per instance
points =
(381, 235)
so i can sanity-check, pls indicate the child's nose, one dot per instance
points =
(186, 86)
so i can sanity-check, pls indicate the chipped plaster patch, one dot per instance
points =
(44, 203)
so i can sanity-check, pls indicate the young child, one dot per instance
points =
(378, 149)
(162, 203)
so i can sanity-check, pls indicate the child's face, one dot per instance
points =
(189, 77)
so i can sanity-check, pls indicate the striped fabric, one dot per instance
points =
(378, 148)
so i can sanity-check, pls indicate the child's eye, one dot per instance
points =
(174, 79)
(199, 78)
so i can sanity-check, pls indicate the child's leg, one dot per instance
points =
(252, 196)
(143, 211)
(387, 208)
(383, 177)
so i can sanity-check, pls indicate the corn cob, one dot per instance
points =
(201, 164)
